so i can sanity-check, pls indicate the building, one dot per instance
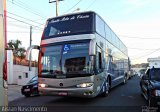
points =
(18, 74)
(154, 62)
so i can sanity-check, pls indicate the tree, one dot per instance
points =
(18, 52)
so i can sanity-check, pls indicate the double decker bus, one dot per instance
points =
(80, 56)
(3, 57)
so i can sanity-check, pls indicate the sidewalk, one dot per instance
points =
(14, 92)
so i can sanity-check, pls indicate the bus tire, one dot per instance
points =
(125, 79)
(27, 95)
(106, 88)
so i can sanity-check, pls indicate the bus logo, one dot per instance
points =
(61, 84)
(66, 48)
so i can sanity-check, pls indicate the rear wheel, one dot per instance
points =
(125, 79)
(151, 102)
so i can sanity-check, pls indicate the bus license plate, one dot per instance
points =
(62, 93)
(26, 90)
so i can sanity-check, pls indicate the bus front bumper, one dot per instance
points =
(75, 92)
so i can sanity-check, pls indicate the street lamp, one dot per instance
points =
(51, 1)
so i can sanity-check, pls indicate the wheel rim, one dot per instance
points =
(124, 81)
(107, 86)
(149, 102)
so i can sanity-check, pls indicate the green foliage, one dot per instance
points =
(18, 52)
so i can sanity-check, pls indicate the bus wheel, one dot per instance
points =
(106, 88)
(27, 95)
(124, 79)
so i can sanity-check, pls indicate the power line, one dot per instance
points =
(24, 22)
(19, 32)
(16, 32)
(22, 26)
(136, 37)
(140, 48)
(29, 10)
(24, 18)
(146, 54)
(73, 6)
(90, 5)
(21, 5)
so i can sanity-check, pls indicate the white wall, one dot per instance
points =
(154, 62)
(21, 71)
(16, 71)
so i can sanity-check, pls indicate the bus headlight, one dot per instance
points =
(157, 92)
(84, 85)
(42, 85)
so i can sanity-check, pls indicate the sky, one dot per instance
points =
(136, 22)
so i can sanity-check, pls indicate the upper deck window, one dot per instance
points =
(68, 25)
(100, 25)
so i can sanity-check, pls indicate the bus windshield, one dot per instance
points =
(65, 61)
(67, 25)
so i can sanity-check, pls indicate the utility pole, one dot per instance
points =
(56, 1)
(30, 58)
(3, 55)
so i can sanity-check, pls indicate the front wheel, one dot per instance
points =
(106, 88)
(27, 95)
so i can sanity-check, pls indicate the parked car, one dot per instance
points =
(31, 88)
(150, 86)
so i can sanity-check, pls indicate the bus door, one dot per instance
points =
(100, 65)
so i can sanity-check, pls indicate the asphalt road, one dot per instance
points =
(123, 98)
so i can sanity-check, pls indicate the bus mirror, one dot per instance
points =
(91, 64)
(92, 48)
(29, 50)
(91, 60)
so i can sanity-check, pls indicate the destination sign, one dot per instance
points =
(69, 18)
(69, 25)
